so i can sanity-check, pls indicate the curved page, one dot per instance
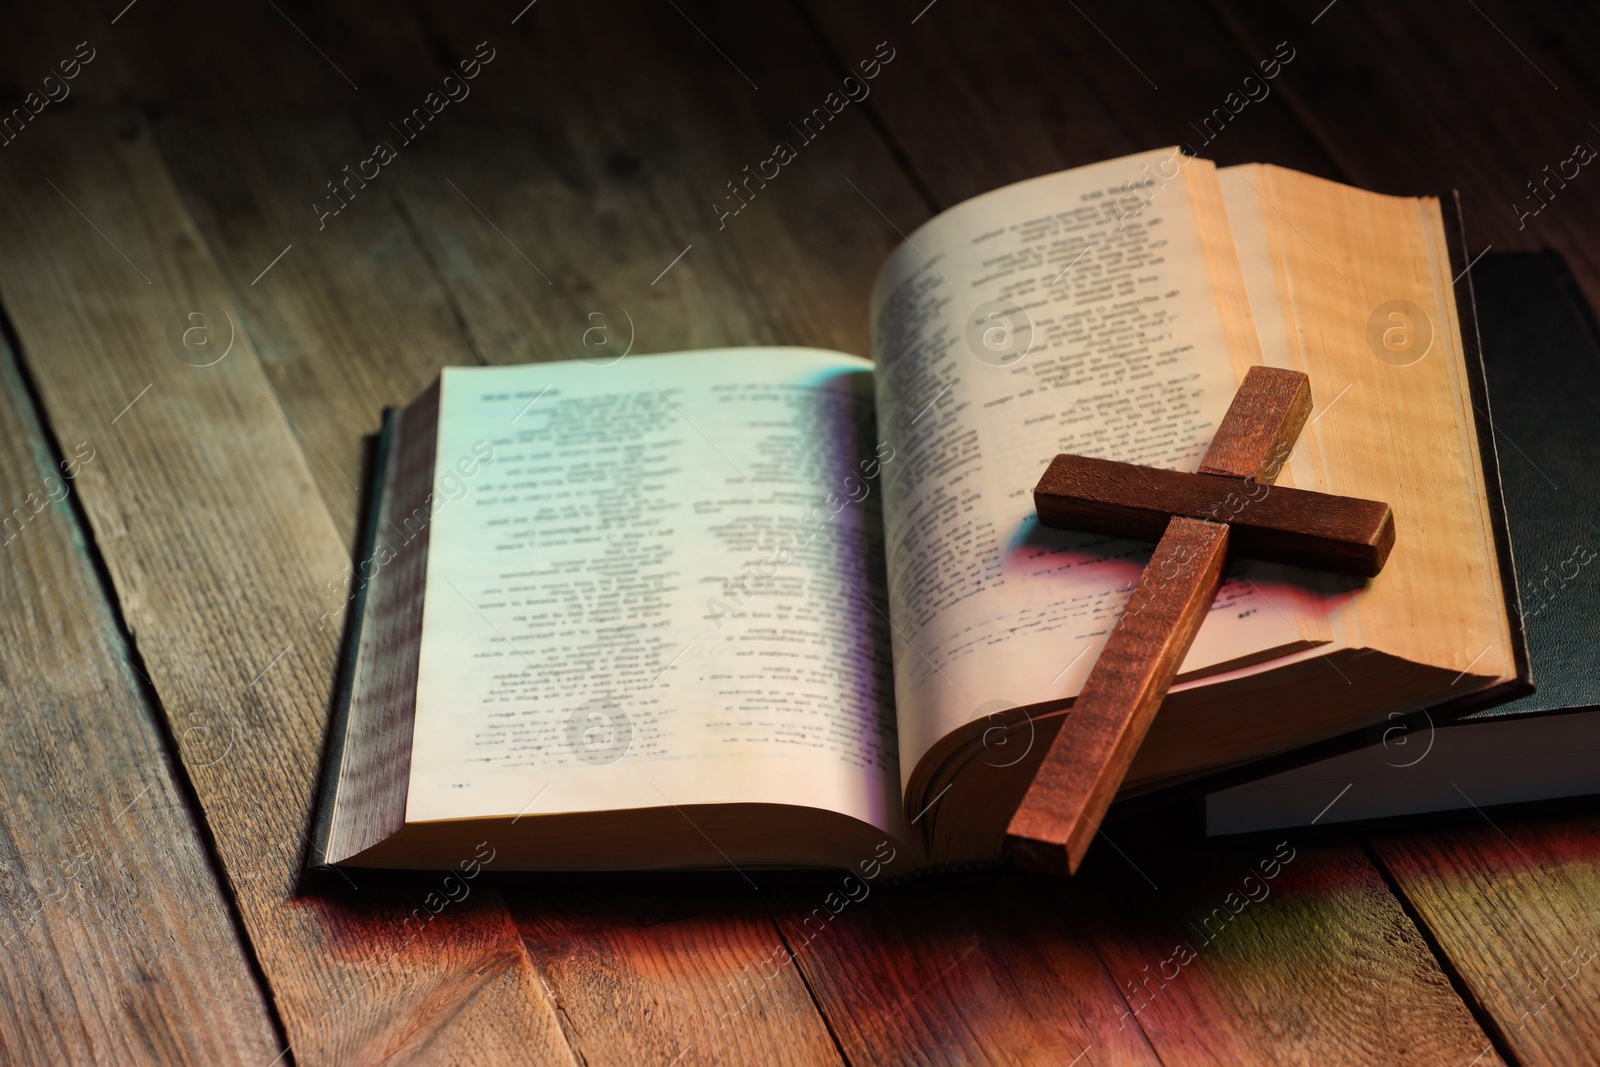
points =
(656, 583)
(1078, 313)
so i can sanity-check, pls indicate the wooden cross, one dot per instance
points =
(1230, 503)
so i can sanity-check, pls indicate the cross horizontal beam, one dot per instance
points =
(1267, 522)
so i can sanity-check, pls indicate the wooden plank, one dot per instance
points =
(639, 167)
(220, 550)
(1286, 953)
(114, 926)
(992, 968)
(1218, 96)
(1061, 812)
(689, 972)
(1281, 524)
(278, 126)
(1512, 904)
(248, 190)
(361, 286)
(430, 994)
(277, 129)
(1043, 87)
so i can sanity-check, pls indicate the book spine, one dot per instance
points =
(344, 687)
(1483, 415)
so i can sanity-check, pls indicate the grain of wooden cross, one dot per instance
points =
(1197, 518)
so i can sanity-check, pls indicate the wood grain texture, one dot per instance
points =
(972, 85)
(1286, 952)
(219, 545)
(685, 973)
(252, 126)
(1512, 903)
(1277, 523)
(360, 284)
(1062, 810)
(606, 192)
(1261, 424)
(114, 931)
(990, 969)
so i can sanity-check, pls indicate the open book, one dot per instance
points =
(787, 606)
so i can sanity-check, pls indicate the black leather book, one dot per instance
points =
(1541, 352)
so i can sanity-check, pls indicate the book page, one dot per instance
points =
(1361, 289)
(656, 583)
(1071, 313)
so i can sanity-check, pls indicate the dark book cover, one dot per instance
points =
(1541, 354)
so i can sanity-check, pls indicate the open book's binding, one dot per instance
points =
(344, 687)
(1523, 683)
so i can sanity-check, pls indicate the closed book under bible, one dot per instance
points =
(783, 606)
(1542, 353)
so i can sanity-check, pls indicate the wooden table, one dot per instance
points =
(171, 627)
